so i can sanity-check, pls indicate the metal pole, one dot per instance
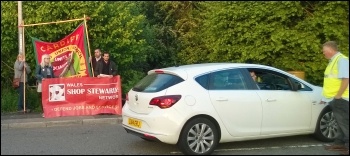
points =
(24, 70)
(20, 30)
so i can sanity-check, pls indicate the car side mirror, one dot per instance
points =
(296, 86)
(300, 86)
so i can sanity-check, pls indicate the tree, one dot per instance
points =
(285, 35)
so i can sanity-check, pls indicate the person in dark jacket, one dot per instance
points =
(106, 68)
(95, 61)
(43, 71)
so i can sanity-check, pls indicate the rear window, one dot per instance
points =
(156, 82)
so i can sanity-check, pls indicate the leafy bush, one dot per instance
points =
(9, 99)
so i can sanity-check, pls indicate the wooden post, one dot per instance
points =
(87, 37)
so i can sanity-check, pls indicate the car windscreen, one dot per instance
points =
(156, 82)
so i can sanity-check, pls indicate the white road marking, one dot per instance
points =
(263, 148)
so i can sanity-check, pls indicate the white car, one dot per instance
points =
(198, 106)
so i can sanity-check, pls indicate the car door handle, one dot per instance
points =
(221, 99)
(271, 100)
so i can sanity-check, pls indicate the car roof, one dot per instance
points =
(197, 69)
(194, 70)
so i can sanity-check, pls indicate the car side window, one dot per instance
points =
(203, 80)
(270, 80)
(231, 79)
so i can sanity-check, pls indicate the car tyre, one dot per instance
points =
(327, 127)
(198, 137)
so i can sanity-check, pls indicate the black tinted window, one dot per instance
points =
(156, 82)
(271, 81)
(203, 81)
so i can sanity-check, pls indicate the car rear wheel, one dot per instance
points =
(198, 137)
(327, 127)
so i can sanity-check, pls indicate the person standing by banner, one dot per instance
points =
(96, 60)
(19, 66)
(43, 70)
(106, 68)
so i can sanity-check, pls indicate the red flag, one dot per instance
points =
(68, 56)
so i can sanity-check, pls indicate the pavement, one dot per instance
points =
(35, 120)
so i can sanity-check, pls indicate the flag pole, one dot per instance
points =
(24, 71)
(78, 19)
(87, 37)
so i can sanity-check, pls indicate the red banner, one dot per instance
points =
(67, 56)
(81, 96)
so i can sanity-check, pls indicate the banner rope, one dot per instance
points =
(7, 65)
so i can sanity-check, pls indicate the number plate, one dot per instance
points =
(135, 123)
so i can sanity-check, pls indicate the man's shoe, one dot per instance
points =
(344, 152)
(28, 110)
(336, 148)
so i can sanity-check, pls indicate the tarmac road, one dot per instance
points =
(27, 134)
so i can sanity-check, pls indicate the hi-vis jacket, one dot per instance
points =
(331, 83)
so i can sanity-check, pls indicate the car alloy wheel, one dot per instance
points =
(199, 137)
(327, 127)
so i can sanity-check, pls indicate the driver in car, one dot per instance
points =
(255, 78)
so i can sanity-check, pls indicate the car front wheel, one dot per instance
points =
(327, 127)
(198, 137)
